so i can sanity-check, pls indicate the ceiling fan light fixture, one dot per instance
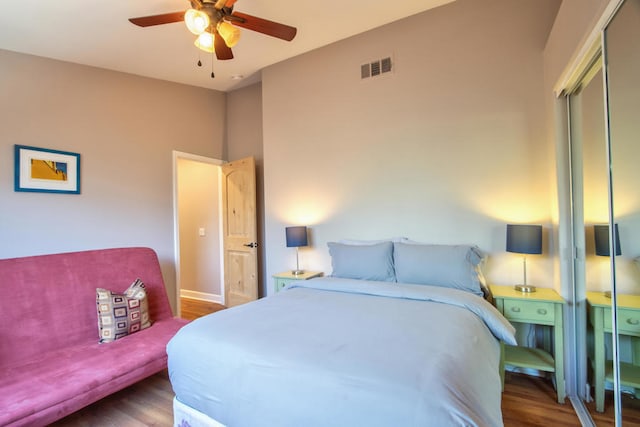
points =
(197, 21)
(229, 33)
(205, 42)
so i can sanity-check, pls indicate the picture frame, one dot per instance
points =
(45, 170)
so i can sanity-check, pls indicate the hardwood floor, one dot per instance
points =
(530, 401)
(527, 402)
(146, 403)
(630, 411)
(192, 308)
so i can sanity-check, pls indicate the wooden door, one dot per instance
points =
(239, 232)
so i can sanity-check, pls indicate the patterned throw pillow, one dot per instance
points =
(122, 314)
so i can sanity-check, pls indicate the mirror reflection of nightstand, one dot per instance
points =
(629, 325)
(283, 279)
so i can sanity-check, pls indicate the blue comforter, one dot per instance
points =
(336, 352)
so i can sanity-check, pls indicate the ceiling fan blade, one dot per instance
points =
(165, 18)
(264, 26)
(223, 52)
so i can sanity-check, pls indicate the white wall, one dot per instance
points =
(125, 128)
(447, 149)
(200, 229)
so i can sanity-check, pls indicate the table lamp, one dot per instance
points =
(296, 237)
(524, 239)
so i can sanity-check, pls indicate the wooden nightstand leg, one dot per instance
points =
(502, 364)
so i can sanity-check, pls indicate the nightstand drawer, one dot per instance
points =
(283, 279)
(281, 283)
(628, 321)
(529, 311)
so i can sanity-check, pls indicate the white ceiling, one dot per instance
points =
(98, 33)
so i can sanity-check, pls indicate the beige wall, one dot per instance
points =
(447, 149)
(244, 139)
(573, 25)
(200, 229)
(125, 128)
(574, 22)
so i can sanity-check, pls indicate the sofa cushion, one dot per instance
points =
(40, 390)
(63, 314)
(121, 314)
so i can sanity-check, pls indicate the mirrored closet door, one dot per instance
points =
(622, 62)
(592, 272)
(604, 110)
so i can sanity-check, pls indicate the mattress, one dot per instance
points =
(343, 352)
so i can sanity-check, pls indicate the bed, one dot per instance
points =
(343, 351)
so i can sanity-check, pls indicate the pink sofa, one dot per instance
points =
(51, 363)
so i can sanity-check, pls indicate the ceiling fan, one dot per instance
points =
(215, 22)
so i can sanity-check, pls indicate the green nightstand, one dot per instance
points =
(543, 307)
(283, 279)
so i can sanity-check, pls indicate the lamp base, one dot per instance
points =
(525, 288)
(297, 272)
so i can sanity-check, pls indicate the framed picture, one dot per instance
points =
(46, 171)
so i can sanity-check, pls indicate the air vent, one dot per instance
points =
(385, 65)
(375, 68)
(365, 71)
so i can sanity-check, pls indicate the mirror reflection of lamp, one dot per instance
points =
(601, 237)
(524, 239)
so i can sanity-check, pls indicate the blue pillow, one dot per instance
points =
(365, 262)
(451, 266)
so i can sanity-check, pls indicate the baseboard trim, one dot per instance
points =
(202, 296)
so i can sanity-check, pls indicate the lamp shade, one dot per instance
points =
(524, 239)
(229, 33)
(296, 236)
(205, 42)
(197, 21)
(601, 236)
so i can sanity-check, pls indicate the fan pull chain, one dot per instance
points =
(212, 74)
(199, 61)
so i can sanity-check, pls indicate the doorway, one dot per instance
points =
(198, 229)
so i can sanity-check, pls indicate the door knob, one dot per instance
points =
(251, 245)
